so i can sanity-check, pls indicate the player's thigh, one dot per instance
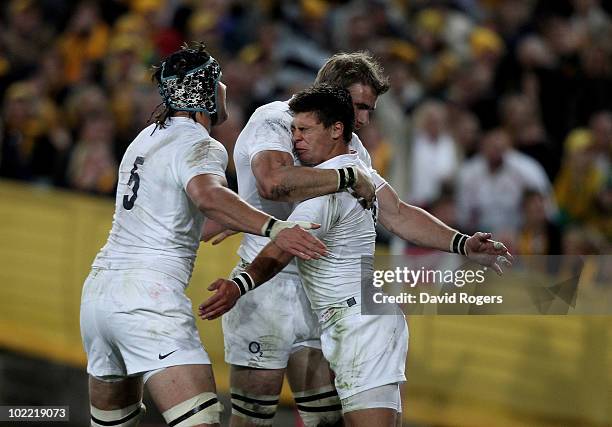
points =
(186, 395)
(175, 384)
(308, 369)
(313, 388)
(380, 417)
(257, 381)
(115, 394)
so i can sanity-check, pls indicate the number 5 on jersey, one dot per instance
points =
(128, 202)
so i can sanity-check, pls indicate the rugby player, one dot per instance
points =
(137, 323)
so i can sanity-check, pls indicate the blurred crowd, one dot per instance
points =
(499, 116)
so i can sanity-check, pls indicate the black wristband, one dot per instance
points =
(343, 182)
(351, 177)
(458, 243)
(240, 285)
(245, 282)
(268, 229)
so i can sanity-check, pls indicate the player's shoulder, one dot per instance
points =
(271, 108)
(350, 159)
(268, 128)
(206, 143)
(275, 112)
(190, 136)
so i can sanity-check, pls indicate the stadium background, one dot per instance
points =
(75, 88)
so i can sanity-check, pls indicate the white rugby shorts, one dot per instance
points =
(365, 352)
(269, 323)
(136, 321)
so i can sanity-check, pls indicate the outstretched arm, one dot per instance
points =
(417, 226)
(270, 261)
(412, 223)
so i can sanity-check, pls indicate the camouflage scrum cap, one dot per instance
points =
(196, 90)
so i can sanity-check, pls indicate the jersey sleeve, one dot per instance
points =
(270, 132)
(320, 210)
(203, 157)
(379, 181)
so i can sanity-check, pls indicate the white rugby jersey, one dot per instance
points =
(349, 233)
(156, 225)
(269, 128)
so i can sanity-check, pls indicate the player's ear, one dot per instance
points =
(337, 129)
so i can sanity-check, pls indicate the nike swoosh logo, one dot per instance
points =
(163, 356)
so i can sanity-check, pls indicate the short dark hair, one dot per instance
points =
(178, 64)
(346, 69)
(331, 104)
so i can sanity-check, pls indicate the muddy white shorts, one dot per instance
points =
(267, 324)
(365, 352)
(136, 321)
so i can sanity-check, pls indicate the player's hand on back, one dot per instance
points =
(364, 188)
(292, 237)
(225, 297)
(481, 249)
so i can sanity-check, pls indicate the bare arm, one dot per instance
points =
(280, 180)
(423, 229)
(412, 223)
(212, 197)
(209, 193)
(268, 263)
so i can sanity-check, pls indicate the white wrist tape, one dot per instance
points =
(274, 226)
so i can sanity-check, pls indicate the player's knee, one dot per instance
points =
(124, 417)
(256, 409)
(204, 408)
(319, 407)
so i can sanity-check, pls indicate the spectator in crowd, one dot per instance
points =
(520, 118)
(580, 179)
(492, 183)
(538, 234)
(84, 43)
(92, 165)
(33, 143)
(24, 32)
(465, 130)
(434, 154)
